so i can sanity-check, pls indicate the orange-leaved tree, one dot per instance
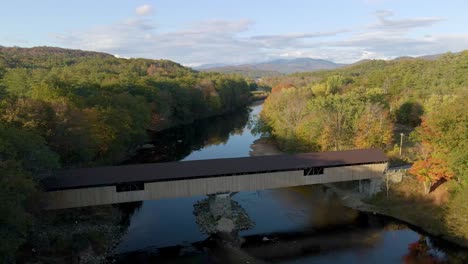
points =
(281, 86)
(430, 171)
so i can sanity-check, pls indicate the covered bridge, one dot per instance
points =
(118, 184)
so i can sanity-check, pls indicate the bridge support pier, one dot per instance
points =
(370, 187)
(220, 205)
(218, 213)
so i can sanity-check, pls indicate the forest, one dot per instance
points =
(379, 104)
(72, 108)
(369, 104)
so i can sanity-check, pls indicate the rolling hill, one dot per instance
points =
(275, 67)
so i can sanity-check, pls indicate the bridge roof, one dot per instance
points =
(170, 171)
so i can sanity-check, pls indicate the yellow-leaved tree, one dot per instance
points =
(374, 128)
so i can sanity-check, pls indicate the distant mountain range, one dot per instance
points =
(286, 66)
(274, 67)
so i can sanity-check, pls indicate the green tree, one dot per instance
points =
(27, 148)
(16, 191)
(20, 151)
(338, 114)
(284, 111)
(409, 113)
(16, 81)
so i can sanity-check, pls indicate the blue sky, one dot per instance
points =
(234, 32)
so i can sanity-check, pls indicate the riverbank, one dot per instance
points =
(442, 213)
(259, 95)
(264, 147)
(436, 213)
(78, 235)
(425, 215)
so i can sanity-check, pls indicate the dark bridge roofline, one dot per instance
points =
(182, 170)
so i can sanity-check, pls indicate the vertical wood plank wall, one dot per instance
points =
(182, 188)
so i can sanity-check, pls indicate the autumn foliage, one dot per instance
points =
(281, 86)
(374, 129)
(419, 252)
(430, 171)
(443, 136)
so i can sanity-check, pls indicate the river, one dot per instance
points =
(290, 225)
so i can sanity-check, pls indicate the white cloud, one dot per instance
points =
(385, 23)
(299, 35)
(285, 40)
(225, 41)
(118, 37)
(144, 10)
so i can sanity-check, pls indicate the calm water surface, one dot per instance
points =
(292, 225)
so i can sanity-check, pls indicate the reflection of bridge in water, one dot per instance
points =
(120, 184)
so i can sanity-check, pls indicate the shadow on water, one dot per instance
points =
(127, 211)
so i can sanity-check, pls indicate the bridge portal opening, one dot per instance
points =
(130, 187)
(313, 171)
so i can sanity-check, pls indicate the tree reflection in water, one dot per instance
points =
(176, 143)
(420, 252)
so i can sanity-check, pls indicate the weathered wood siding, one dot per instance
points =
(193, 187)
